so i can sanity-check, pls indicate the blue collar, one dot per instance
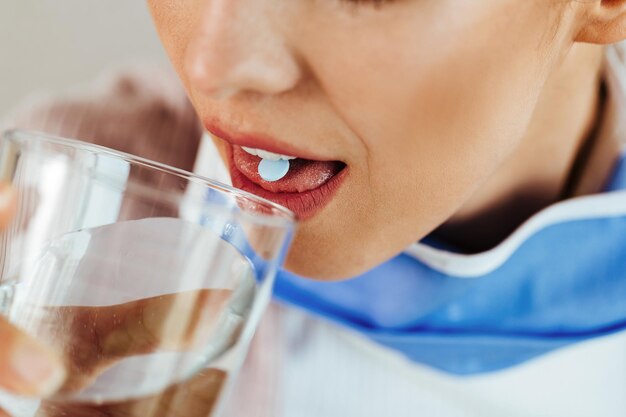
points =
(564, 282)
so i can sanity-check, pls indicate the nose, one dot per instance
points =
(236, 48)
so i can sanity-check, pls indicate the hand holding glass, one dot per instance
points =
(146, 280)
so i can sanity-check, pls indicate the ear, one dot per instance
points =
(603, 21)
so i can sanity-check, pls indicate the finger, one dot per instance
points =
(94, 338)
(3, 413)
(172, 322)
(26, 366)
(7, 204)
(194, 398)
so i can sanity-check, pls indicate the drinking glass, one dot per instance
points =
(146, 280)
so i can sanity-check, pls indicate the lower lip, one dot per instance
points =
(305, 205)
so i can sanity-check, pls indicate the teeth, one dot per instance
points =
(267, 155)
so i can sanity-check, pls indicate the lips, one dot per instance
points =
(309, 185)
(305, 190)
(304, 175)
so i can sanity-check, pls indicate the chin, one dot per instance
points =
(321, 260)
(317, 271)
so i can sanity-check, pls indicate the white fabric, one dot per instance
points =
(474, 266)
(317, 369)
(333, 373)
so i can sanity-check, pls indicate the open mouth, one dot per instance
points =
(305, 186)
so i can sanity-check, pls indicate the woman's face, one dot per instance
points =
(417, 102)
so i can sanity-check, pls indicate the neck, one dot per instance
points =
(540, 169)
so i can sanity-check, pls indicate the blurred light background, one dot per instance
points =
(52, 45)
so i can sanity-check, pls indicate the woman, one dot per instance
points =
(472, 127)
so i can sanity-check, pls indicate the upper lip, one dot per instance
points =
(260, 141)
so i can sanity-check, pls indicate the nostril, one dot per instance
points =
(222, 64)
(211, 71)
(197, 67)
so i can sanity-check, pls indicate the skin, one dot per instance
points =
(442, 110)
(438, 108)
(87, 341)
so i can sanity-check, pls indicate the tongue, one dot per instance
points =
(304, 175)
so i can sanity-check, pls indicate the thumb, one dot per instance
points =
(7, 205)
(27, 367)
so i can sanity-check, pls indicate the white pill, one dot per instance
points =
(273, 170)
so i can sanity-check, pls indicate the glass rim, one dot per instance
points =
(279, 213)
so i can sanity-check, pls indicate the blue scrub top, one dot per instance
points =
(564, 284)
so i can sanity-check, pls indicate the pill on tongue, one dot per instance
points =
(273, 170)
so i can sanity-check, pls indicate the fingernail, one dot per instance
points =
(40, 372)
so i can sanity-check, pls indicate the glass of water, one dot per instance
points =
(146, 280)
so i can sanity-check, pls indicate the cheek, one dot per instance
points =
(176, 21)
(438, 111)
(439, 108)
